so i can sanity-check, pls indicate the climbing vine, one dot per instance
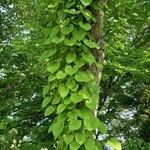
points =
(73, 58)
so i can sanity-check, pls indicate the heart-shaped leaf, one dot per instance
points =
(85, 26)
(71, 57)
(63, 90)
(86, 2)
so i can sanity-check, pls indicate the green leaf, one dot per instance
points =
(2, 125)
(46, 101)
(114, 143)
(80, 137)
(71, 70)
(71, 57)
(79, 34)
(79, 63)
(63, 90)
(60, 75)
(90, 44)
(56, 100)
(92, 101)
(85, 26)
(102, 127)
(61, 108)
(74, 145)
(72, 11)
(58, 128)
(84, 77)
(75, 98)
(72, 114)
(49, 110)
(70, 83)
(74, 124)
(98, 145)
(93, 87)
(67, 100)
(89, 144)
(91, 123)
(45, 90)
(53, 33)
(51, 77)
(87, 14)
(88, 57)
(74, 89)
(58, 40)
(68, 138)
(62, 117)
(84, 112)
(84, 93)
(52, 67)
(86, 2)
(47, 54)
(69, 4)
(70, 42)
(67, 29)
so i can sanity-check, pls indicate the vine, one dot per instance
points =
(74, 60)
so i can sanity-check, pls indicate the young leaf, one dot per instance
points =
(70, 42)
(88, 57)
(63, 90)
(91, 123)
(74, 89)
(51, 77)
(58, 40)
(85, 26)
(114, 143)
(72, 11)
(61, 108)
(79, 63)
(60, 75)
(52, 67)
(78, 34)
(84, 77)
(67, 100)
(83, 112)
(74, 124)
(86, 2)
(49, 110)
(68, 138)
(57, 128)
(62, 117)
(90, 44)
(47, 54)
(71, 57)
(102, 127)
(92, 101)
(75, 98)
(74, 145)
(70, 84)
(72, 114)
(46, 101)
(89, 144)
(87, 14)
(45, 90)
(67, 29)
(56, 100)
(80, 137)
(71, 70)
